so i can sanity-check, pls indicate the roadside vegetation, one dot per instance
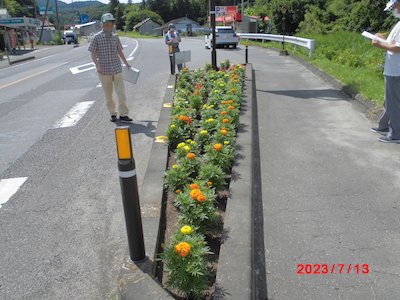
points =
(346, 56)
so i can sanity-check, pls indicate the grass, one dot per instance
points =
(346, 56)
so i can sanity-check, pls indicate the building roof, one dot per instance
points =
(138, 25)
(177, 21)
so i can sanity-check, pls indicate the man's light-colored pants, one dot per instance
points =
(107, 81)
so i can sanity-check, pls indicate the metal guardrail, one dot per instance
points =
(306, 43)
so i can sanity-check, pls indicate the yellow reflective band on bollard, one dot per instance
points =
(123, 143)
(161, 139)
(167, 105)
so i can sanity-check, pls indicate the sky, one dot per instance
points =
(106, 1)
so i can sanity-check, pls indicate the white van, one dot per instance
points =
(225, 36)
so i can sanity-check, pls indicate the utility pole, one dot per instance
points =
(58, 20)
(44, 20)
(213, 51)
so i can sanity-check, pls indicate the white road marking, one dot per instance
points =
(82, 68)
(99, 85)
(130, 58)
(134, 50)
(170, 86)
(31, 76)
(124, 46)
(9, 187)
(74, 115)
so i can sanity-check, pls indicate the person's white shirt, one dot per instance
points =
(392, 62)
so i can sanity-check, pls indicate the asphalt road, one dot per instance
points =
(62, 233)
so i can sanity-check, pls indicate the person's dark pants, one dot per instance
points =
(392, 105)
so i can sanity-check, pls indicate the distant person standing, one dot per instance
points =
(389, 123)
(106, 49)
(31, 39)
(172, 40)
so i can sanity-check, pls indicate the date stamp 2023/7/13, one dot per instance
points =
(323, 269)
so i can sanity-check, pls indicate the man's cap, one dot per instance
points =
(390, 4)
(107, 18)
(171, 26)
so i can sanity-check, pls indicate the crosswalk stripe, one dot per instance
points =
(73, 116)
(9, 187)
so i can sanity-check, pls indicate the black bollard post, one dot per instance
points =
(172, 60)
(130, 194)
(247, 53)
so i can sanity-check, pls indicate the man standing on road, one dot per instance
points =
(106, 49)
(389, 124)
(172, 39)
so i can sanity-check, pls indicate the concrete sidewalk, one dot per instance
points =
(330, 190)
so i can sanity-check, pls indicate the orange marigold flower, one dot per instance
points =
(233, 90)
(183, 118)
(194, 186)
(223, 113)
(178, 191)
(183, 249)
(231, 107)
(191, 155)
(201, 198)
(195, 193)
(225, 121)
(218, 147)
(224, 132)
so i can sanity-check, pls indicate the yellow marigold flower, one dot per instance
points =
(209, 183)
(210, 120)
(195, 193)
(203, 132)
(192, 143)
(226, 143)
(175, 166)
(173, 126)
(180, 145)
(188, 141)
(183, 249)
(191, 155)
(186, 229)
(186, 148)
(217, 147)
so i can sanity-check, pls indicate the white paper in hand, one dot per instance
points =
(373, 37)
(130, 74)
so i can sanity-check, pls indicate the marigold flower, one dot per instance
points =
(175, 166)
(178, 191)
(201, 198)
(173, 126)
(203, 132)
(195, 193)
(223, 113)
(233, 90)
(191, 155)
(186, 148)
(226, 143)
(194, 186)
(231, 107)
(183, 249)
(182, 118)
(192, 143)
(224, 132)
(186, 229)
(209, 183)
(217, 147)
(226, 121)
(189, 120)
(180, 145)
(210, 120)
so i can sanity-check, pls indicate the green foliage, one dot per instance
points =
(134, 15)
(20, 8)
(213, 174)
(187, 274)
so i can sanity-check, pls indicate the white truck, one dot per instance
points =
(225, 37)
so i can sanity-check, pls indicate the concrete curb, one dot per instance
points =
(21, 60)
(239, 258)
(136, 280)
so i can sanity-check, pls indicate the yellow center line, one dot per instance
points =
(30, 76)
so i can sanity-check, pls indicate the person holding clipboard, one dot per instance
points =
(389, 123)
(172, 40)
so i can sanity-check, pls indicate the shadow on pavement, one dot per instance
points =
(326, 94)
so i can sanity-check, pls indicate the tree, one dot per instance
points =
(120, 17)
(113, 6)
(135, 15)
